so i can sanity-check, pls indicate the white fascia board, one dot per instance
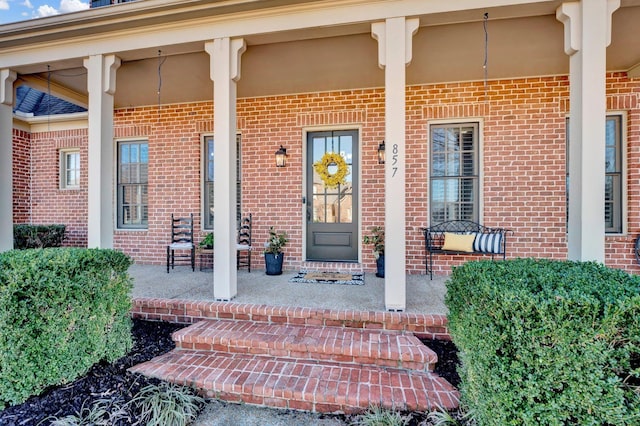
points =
(241, 24)
(43, 123)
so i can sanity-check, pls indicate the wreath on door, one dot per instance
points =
(322, 168)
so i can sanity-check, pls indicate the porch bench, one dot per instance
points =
(463, 237)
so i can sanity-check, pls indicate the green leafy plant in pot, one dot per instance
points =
(376, 239)
(207, 241)
(273, 255)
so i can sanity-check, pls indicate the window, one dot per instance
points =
(454, 168)
(208, 162)
(613, 174)
(69, 169)
(133, 177)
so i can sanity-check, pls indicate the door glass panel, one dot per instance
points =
(346, 208)
(333, 205)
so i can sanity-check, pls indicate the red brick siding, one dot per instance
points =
(49, 203)
(21, 176)
(523, 158)
(623, 94)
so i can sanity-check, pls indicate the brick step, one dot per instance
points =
(374, 347)
(430, 326)
(301, 384)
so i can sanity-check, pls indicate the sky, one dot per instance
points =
(21, 10)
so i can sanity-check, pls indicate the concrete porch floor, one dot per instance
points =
(424, 296)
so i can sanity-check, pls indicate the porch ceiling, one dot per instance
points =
(524, 40)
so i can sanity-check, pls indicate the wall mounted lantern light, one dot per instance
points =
(281, 157)
(381, 154)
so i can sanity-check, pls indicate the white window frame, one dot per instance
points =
(65, 168)
(118, 204)
(479, 126)
(622, 186)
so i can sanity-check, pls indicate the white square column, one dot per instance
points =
(225, 56)
(587, 29)
(395, 37)
(101, 85)
(7, 77)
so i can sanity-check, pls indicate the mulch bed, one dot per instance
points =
(103, 381)
(114, 382)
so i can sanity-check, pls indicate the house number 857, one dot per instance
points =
(394, 159)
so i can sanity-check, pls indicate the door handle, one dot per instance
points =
(308, 214)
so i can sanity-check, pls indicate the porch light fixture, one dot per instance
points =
(281, 157)
(381, 153)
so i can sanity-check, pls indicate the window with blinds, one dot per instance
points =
(613, 189)
(454, 180)
(133, 178)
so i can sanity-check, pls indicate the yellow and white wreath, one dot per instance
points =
(322, 168)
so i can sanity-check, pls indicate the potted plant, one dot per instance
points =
(377, 240)
(273, 255)
(207, 241)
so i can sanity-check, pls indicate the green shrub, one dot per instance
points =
(38, 236)
(547, 342)
(61, 311)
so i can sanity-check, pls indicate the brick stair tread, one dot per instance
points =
(379, 347)
(301, 384)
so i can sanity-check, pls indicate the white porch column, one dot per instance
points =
(587, 29)
(7, 77)
(395, 37)
(225, 72)
(101, 85)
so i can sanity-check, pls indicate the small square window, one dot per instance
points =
(70, 169)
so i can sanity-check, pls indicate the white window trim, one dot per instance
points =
(203, 177)
(63, 155)
(624, 170)
(203, 172)
(458, 120)
(115, 162)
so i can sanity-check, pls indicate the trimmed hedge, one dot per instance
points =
(61, 311)
(27, 236)
(547, 342)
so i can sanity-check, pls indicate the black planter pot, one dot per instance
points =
(380, 266)
(273, 263)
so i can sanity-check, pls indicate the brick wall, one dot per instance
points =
(49, 203)
(623, 94)
(21, 176)
(523, 157)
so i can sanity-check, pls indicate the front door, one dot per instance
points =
(332, 210)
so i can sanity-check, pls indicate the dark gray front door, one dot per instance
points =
(332, 213)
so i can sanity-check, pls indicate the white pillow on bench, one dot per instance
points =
(488, 243)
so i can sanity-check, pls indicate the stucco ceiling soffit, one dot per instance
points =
(634, 71)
